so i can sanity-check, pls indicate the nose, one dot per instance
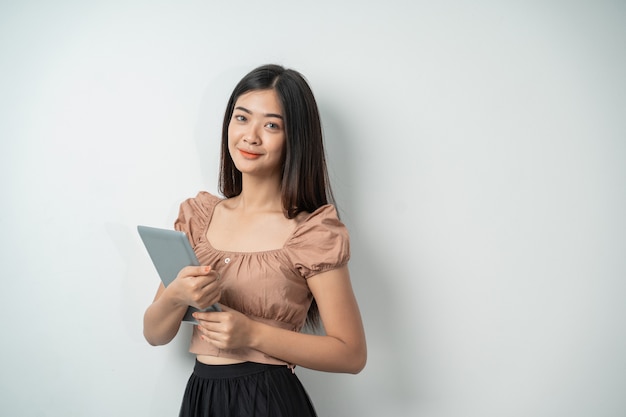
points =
(251, 140)
(251, 136)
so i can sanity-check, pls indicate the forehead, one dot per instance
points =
(260, 101)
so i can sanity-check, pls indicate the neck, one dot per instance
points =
(259, 194)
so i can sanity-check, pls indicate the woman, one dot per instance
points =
(274, 253)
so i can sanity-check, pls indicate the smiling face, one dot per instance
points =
(256, 133)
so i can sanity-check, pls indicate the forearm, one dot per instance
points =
(322, 353)
(162, 321)
(194, 285)
(342, 349)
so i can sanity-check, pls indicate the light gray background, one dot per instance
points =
(477, 151)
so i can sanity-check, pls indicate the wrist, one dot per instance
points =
(170, 298)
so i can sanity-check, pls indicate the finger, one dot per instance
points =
(204, 333)
(212, 338)
(204, 285)
(205, 296)
(195, 271)
(204, 270)
(204, 301)
(214, 276)
(207, 317)
(207, 280)
(202, 294)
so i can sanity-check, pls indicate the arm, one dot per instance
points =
(196, 286)
(342, 349)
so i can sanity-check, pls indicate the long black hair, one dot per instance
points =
(305, 185)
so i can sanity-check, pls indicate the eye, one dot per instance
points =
(272, 125)
(239, 118)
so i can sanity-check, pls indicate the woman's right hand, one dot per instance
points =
(196, 286)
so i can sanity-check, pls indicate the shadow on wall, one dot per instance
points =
(386, 384)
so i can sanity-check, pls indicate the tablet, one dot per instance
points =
(170, 252)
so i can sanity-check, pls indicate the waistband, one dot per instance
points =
(233, 370)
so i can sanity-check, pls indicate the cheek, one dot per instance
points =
(232, 137)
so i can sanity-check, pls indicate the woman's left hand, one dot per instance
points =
(228, 329)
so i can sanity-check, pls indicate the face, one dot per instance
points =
(256, 133)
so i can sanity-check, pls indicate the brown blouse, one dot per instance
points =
(268, 286)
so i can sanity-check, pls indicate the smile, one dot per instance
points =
(248, 155)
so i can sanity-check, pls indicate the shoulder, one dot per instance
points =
(203, 201)
(320, 242)
(195, 212)
(324, 218)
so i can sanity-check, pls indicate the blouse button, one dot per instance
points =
(226, 260)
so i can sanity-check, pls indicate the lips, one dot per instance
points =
(248, 155)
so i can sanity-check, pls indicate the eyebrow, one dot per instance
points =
(243, 109)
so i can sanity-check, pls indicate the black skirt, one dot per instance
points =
(245, 389)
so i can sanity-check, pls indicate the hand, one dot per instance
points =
(196, 286)
(228, 329)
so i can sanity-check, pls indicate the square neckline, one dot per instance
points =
(205, 239)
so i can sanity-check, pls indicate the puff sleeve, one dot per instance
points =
(193, 215)
(320, 243)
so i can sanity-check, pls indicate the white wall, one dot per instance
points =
(478, 154)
